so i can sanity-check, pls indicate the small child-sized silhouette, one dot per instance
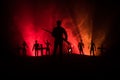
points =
(47, 47)
(41, 49)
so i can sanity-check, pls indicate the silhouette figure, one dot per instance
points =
(24, 48)
(41, 49)
(101, 49)
(18, 49)
(36, 47)
(92, 48)
(47, 48)
(81, 46)
(58, 33)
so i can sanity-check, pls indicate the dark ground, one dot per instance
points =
(69, 65)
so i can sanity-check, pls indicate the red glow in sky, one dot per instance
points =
(30, 18)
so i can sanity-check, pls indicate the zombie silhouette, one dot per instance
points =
(81, 46)
(24, 48)
(102, 49)
(36, 47)
(92, 48)
(47, 47)
(41, 49)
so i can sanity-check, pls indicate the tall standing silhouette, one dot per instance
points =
(36, 47)
(81, 46)
(58, 33)
(92, 48)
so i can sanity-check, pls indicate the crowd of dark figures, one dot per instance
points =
(58, 33)
(39, 49)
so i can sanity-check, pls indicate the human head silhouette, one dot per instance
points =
(59, 22)
(81, 40)
(24, 42)
(35, 41)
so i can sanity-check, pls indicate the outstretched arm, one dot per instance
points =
(95, 47)
(83, 45)
(26, 45)
(89, 46)
(33, 48)
(54, 33)
(66, 36)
